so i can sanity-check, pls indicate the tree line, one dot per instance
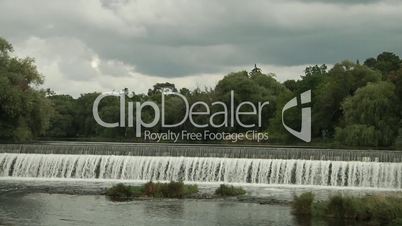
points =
(353, 104)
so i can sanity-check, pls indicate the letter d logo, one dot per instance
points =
(305, 133)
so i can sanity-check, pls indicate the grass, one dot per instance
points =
(373, 209)
(121, 192)
(229, 190)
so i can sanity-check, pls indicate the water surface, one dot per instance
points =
(60, 209)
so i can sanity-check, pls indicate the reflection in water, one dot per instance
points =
(174, 209)
(57, 209)
(23, 203)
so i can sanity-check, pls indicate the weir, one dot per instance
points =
(186, 150)
(201, 169)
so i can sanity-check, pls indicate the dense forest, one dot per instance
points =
(353, 104)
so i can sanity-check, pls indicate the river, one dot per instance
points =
(76, 202)
(62, 183)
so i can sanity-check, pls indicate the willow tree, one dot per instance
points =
(371, 116)
(341, 82)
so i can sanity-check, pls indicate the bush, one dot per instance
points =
(172, 190)
(302, 205)
(378, 209)
(151, 189)
(225, 190)
(345, 207)
(121, 192)
(190, 189)
(375, 208)
(169, 190)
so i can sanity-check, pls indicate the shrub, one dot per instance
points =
(151, 189)
(375, 209)
(345, 207)
(226, 190)
(121, 192)
(190, 189)
(382, 208)
(302, 205)
(173, 190)
(169, 190)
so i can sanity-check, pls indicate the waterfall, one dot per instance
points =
(204, 169)
(228, 151)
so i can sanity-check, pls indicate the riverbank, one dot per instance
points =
(370, 209)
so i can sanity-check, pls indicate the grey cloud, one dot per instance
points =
(180, 38)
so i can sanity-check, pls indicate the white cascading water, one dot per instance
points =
(193, 169)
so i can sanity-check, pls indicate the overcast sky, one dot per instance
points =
(91, 45)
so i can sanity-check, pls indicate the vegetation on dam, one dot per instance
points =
(121, 192)
(229, 190)
(371, 209)
(178, 190)
(353, 104)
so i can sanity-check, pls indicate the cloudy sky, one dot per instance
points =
(103, 45)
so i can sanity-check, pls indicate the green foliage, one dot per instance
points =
(121, 192)
(373, 209)
(302, 205)
(229, 190)
(162, 88)
(173, 190)
(291, 118)
(358, 135)
(371, 116)
(344, 207)
(342, 81)
(24, 110)
(358, 105)
(398, 140)
(255, 88)
(385, 62)
(396, 222)
(169, 190)
(190, 189)
(63, 122)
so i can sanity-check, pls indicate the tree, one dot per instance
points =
(342, 81)
(162, 88)
(312, 78)
(256, 88)
(63, 122)
(370, 116)
(385, 62)
(24, 110)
